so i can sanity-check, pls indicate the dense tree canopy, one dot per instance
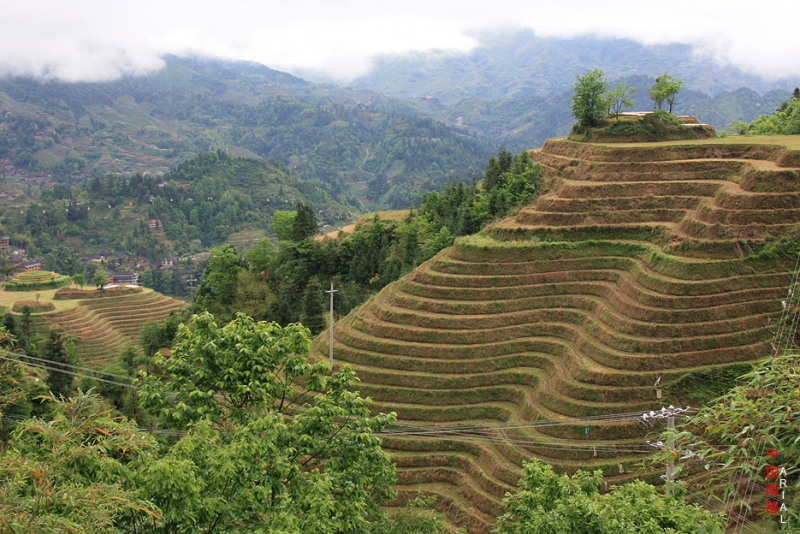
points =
(785, 120)
(273, 284)
(305, 457)
(75, 473)
(218, 289)
(547, 503)
(305, 223)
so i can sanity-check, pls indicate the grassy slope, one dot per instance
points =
(641, 262)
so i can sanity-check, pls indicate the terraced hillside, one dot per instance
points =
(640, 262)
(104, 325)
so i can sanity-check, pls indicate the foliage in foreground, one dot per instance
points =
(75, 473)
(729, 437)
(305, 457)
(268, 444)
(547, 503)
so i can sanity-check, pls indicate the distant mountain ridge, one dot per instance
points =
(362, 147)
(516, 65)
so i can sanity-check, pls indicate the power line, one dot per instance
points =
(71, 366)
(59, 370)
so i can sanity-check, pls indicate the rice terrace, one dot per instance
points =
(647, 275)
(102, 321)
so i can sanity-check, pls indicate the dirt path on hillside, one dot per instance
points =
(334, 234)
(364, 163)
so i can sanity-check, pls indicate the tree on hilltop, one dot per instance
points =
(620, 97)
(589, 101)
(665, 89)
(100, 279)
(79, 280)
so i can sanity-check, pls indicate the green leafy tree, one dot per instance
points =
(26, 329)
(150, 338)
(496, 168)
(261, 255)
(11, 382)
(166, 282)
(738, 127)
(253, 296)
(282, 222)
(305, 457)
(785, 121)
(147, 278)
(79, 280)
(438, 242)
(547, 503)
(304, 225)
(620, 97)
(665, 89)
(589, 102)
(100, 278)
(217, 292)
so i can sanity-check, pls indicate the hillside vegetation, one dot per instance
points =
(641, 264)
(358, 145)
(444, 114)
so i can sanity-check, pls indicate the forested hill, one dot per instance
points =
(203, 202)
(359, 146)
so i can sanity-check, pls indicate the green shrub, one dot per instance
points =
(666, 117)
(54, 283)
(34, 306)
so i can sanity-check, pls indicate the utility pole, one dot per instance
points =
(671, 448)
(330, 328)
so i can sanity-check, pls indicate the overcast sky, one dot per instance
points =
(102, 39)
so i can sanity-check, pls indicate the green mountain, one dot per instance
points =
(356, 145)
